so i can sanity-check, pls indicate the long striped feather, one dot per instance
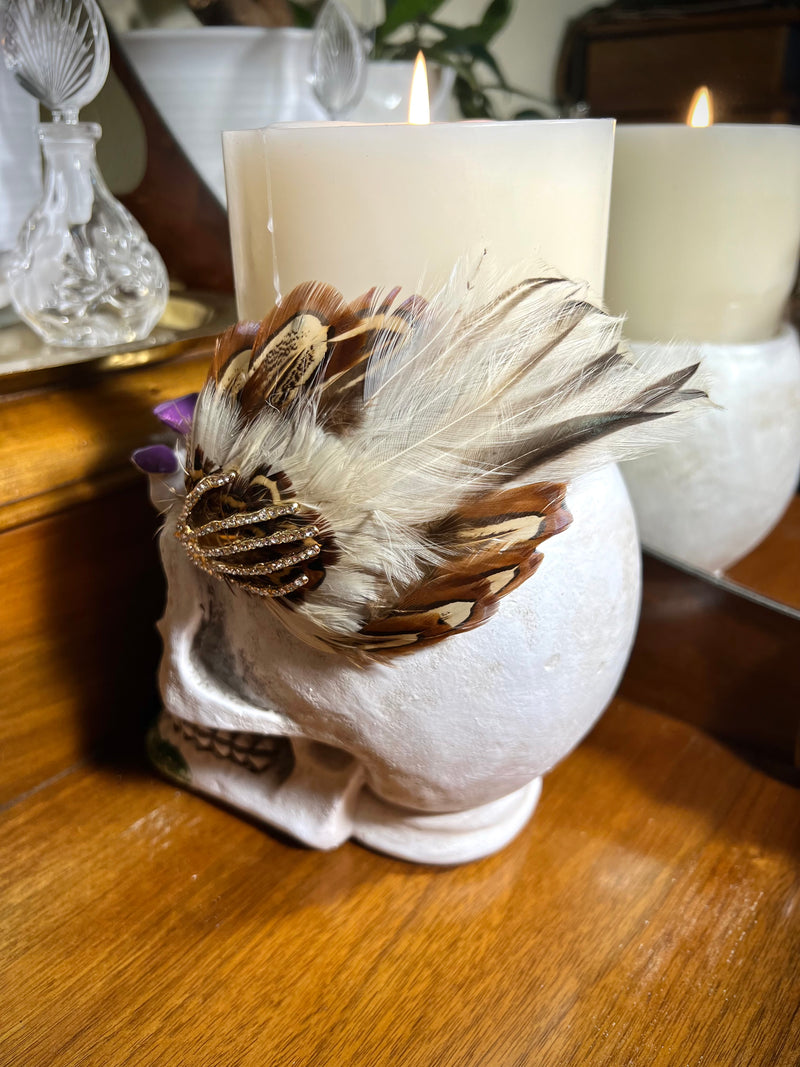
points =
(381, 472)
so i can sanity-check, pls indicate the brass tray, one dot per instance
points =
(189, 324)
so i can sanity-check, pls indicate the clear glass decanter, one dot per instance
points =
(83, 271)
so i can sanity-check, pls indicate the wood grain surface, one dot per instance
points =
(723, 661)
(773, 567)
(641, 63)
(55, 444)
(79, 569)
(719, 660)
(647, 916)
(81, 590)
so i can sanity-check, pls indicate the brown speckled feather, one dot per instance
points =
(495, 541)
(350, 462)
(290, 347)
(313, 337)
(375, 330)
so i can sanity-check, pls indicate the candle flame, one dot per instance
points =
(701, 109)
(419, 107)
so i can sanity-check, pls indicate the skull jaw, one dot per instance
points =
(324, 806)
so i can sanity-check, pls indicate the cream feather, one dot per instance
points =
(493, 384)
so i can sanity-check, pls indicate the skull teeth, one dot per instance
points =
(259, 763)
(256, 752)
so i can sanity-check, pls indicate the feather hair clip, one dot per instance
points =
(382, 472)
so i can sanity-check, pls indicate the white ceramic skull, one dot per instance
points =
(436, 756)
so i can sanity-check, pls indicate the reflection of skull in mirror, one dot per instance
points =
(434, 757)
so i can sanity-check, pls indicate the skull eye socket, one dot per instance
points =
(333, 759)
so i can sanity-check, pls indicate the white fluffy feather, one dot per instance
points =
(477, 397)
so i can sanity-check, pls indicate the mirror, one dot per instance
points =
(640, 62)
(772, 569)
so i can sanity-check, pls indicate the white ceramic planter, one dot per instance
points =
(715, 494)
(435, 757)
(212, 79)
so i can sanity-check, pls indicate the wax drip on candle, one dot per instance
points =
(276, 282)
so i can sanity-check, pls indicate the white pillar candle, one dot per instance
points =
(704, 230)
(359, 205)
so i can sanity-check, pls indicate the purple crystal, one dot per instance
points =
(177, 414)
(155, 459)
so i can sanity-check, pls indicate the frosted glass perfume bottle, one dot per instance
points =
(83, 271)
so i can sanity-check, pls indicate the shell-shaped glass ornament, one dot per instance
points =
(338, 60)
(58, 52)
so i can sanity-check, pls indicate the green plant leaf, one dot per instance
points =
(481, 54)
(456, 37)
(472, 100)
(530, 113)
(495, 17)
(303, 16)
(166, 757)
(399, 12)
(464, 48)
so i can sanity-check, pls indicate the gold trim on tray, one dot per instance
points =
(190, 322)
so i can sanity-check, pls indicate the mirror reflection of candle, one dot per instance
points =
(705, 225)
(419, 106)
(701, 109)
(703, 246)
